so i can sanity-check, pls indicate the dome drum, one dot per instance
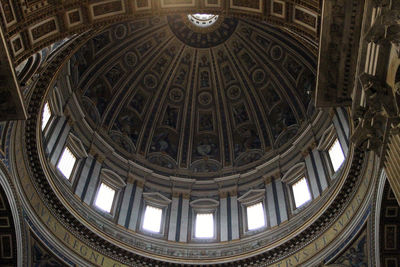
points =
(144, 165)
(188, 133)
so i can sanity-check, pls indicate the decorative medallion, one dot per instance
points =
(120, 31)
(176, 95)
(234, 92)
(150, 81)
(258, 76)
(183, 107)
(276, 52)
(131, 59)
(205, 98)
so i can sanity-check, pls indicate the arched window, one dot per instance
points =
(108, 191)
(105, 197)
(301, 192)
(203, 20)
(255, 216)
(298, 186)
(336, 155)
(46, 115)
(252, 209)
(152, 219)
(204, 225)
(66, 163)
(204, 219)
(70, 159)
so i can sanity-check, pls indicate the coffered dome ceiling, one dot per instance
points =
(187, 100)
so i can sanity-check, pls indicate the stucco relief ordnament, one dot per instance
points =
(238, 66)
(89, 14)
(59, 210)
(142, 88)
(62, 229)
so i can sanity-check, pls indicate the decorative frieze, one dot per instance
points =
(90, 237)
(378, 117)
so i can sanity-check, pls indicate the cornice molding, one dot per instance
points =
(122, 255)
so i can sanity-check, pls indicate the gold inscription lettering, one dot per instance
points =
(94, 256)
(66, 238)
(83, 250)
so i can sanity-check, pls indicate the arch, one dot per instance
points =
(105, 149)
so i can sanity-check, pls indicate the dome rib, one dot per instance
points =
(215, 108)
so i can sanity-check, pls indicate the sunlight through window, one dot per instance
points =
(336, 155)
(204, 225)
(66, 163)
(152, 219)
(105, 197)
(203, 20)
(301, 192)
(255, 216)
(45, 115)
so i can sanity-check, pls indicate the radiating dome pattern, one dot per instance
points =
(185, 102)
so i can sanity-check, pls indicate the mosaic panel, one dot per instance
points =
(172, 103)
(42, 256)
(115, 74)
(206, 121)
(356, 254)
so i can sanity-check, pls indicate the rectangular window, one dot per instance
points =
(255, 216)
(204, 225)
(105, 197)
(66, 163)
(152, 219)
(336, 155)
(46, 115)
(301, 192)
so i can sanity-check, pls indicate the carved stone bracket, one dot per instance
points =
(386, 29)
(379, 118)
